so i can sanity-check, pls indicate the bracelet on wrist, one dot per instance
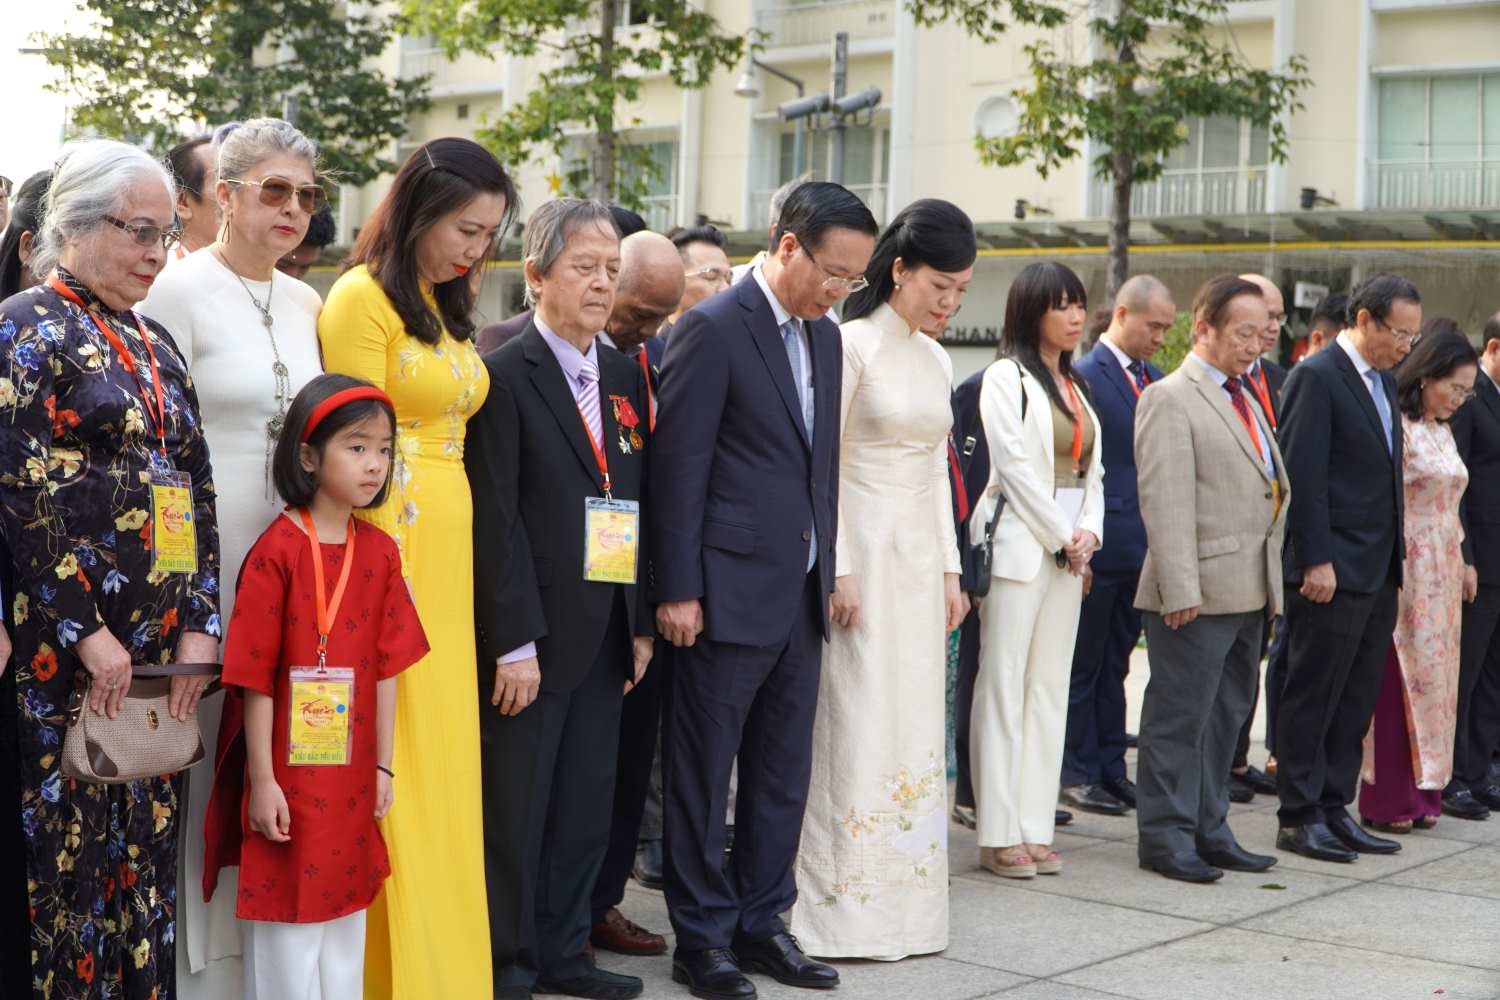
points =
(387, 771)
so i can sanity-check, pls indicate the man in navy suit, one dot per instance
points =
(1341, 438)
(744, 482)
(1117, 370)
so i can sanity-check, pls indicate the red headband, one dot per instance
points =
(338, 399)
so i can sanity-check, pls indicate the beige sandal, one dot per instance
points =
(1007, 862)
(1047, 861)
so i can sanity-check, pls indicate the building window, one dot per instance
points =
(462, 112)
(633, 13)
(1220, 169)
(1439, 142)
(659, 205)
(866, 161)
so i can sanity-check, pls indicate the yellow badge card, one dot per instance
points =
(322, 704)
(611, 539)
(174, 535)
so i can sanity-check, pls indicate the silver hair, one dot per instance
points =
(781, 194)
(90, 180)
(548, 229)
(243, 145)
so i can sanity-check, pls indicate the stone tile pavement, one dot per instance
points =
(1424, 923)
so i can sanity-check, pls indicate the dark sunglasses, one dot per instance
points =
(147, 235)
(276, 191)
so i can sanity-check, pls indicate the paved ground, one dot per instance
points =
(1424, 923)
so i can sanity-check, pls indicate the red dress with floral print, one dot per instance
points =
(336, 860)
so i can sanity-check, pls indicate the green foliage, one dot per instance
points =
(156, 71)
(594, 67)
(1178, 342)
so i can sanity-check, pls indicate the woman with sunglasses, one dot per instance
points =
(100, 416)
(250, 336)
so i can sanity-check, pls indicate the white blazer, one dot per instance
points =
(1032, 526)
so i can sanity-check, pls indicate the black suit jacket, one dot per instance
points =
(497, 335)
(736, 487)
(1347, 497)
(974, 459)
(1476, 431)
(1275, 383)
(530, 466)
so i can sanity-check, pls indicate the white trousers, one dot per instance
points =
(305, 961)
(1020, 716)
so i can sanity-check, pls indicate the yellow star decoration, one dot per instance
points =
(554, 181)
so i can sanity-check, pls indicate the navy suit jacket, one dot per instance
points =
(1476, 431)
(1348, 505)
(1124, 543)
(736, 487)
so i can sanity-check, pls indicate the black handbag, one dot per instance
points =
(979, 558)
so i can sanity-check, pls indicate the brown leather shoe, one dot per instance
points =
(618, 934)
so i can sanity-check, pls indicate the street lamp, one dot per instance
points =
(748, 87)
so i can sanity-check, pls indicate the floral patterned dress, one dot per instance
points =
(75, 507)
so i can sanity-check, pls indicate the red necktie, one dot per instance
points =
(959, 492)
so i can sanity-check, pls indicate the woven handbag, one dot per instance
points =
(142, 740)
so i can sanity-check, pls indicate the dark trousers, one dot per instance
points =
(549, 774)
(757, 702)
(1202, 678)
(1242, 745)
(640, 724)
(1275, 679)
(963, 706)
(1335, 658)
(1477, 727)
(1108, 627)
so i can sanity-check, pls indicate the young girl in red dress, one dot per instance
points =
(323, 622)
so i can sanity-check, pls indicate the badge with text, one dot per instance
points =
(611, 539)
(174, 535)
(322, 703)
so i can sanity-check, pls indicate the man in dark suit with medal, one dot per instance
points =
(744, 488)
(557, 461)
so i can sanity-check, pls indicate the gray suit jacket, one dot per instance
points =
(1213, 521)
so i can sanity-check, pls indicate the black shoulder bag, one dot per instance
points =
(979, 559)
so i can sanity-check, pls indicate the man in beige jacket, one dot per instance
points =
(1213, 494)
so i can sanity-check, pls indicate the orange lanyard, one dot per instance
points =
(650, 403)
(1077, 425)
(328, 609)
(1130, 380)
(599, 455)
(1263, 393)
(1251, 429)
(157, 416)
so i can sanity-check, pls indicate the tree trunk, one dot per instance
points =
(603, 160)
(1123, 166)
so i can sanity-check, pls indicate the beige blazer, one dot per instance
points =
(1213, 529)
(1021, 455)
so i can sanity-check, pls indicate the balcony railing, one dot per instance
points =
(468, 71)
(813, 22)
(873, 195)
(1216, 191)
(1403, 184)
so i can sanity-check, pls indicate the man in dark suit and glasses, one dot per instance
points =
(559, 445)
(744, 488)
(1117, 370)
(1341, 436)
(1476, 430)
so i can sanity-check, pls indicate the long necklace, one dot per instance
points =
(278, 368)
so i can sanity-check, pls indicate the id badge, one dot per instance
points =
(322, 703)
(611, 539)
(174, 535)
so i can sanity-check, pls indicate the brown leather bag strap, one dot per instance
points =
(174, 669)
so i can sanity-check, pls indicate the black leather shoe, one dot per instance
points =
(1062, 818)
(1183, 868)
(1122, 789)
(648, 864)
(1237, 859)
(1239, 789)
(1463, 804)
(712, 974)
(1259, 781)
(1357, 839)
(1489, 794)
(1094, 799)
(1314, 840)
(780, 957)
(597, 985)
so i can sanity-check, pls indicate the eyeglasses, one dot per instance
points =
(720, 275)
(147, 235)
(1402, 336)
(276, 191)
(832, 282)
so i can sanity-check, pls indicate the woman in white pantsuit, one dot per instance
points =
(1044, 454)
